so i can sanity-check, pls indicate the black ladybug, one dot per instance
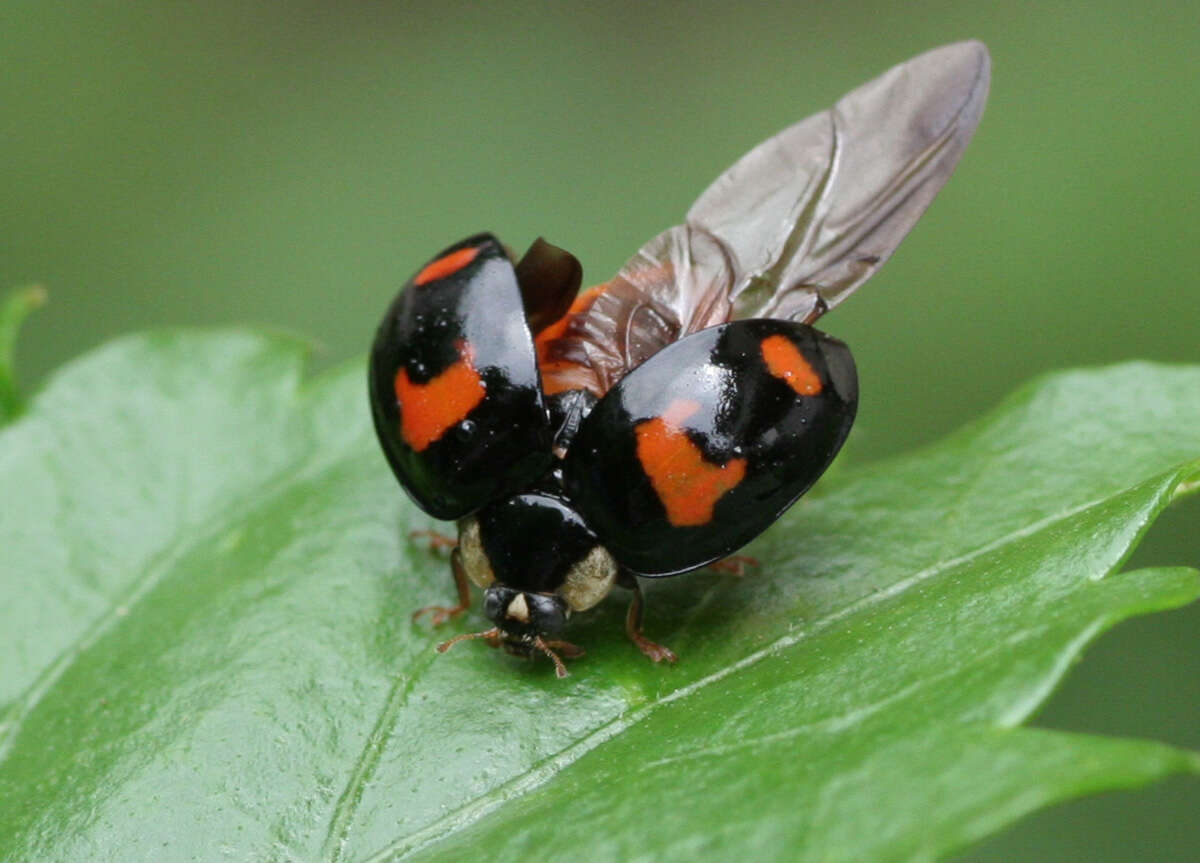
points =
(656, 423)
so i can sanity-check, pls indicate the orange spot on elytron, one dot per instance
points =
(688, 486)
(785, 362)
(428, 410)
(446, 265)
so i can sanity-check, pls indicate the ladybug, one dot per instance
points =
(656, 423)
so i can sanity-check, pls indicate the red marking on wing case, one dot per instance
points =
(428, 410)
(446, 265)
(785, 362)
(688, 486)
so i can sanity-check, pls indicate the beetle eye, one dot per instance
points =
(495, 600)
(547, 613)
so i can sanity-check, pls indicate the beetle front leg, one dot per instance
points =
(736, 564)
(437, 541)
(442, 613)
(633, 628)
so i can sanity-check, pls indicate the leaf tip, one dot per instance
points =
(1189, 482)
(13, 311)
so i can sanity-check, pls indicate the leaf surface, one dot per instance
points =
(206, 650)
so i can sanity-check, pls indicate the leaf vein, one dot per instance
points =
(155, 570)
(368, 759)
(537, 775)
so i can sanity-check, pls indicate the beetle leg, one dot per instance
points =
(544, 647)
(735, 564)
(443, 613)
(633, 628)
(566, 648)
(437, 541)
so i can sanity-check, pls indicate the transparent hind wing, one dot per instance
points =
(678, 283)
(812, 213)
(791, 229)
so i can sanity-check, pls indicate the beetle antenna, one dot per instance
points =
(559, 668)
(567, 649)
(490, 635)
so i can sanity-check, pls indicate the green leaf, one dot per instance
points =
(13, 310)
(206, 650)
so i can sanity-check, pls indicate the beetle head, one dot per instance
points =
(522, 617)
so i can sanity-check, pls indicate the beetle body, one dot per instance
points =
(658, 422)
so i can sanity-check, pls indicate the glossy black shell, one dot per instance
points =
(535, 538)
(737, 411)
(502, 443)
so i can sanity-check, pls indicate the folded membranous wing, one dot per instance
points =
(791, 229)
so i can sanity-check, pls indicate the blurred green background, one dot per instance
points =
(291, 163)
